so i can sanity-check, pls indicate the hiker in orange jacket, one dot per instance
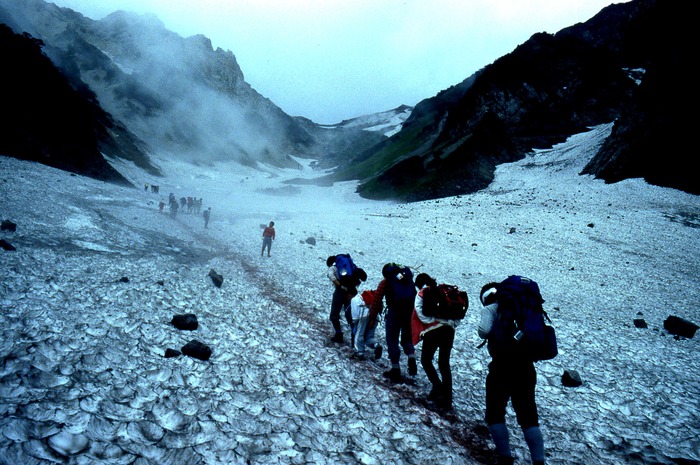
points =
(268, 236)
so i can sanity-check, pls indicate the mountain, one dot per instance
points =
(178, 96)
(548, 88)
(44, 119)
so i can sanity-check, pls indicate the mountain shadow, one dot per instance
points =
(44, 119)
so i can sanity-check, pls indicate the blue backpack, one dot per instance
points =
(520, 325)
(400, 289)
(345, 265)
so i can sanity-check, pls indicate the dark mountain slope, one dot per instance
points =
(44, 119)
(545, 90)
(651, 139)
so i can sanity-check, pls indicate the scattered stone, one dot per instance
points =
(123, 279)
(571, 378)
(8, 225)
(185, 321)
(161, 282)
(640, 323)
(680, 327)
(6, 245)
(591, 225)
(216, 278)
(196, 349)
(170, 353)
(311, 240)
(512, 231)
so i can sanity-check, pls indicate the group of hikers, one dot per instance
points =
(192, 205)
(422, 311)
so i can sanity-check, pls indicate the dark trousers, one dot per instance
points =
(398, 331)
(511, 379)
(440, 339)
(340, 298)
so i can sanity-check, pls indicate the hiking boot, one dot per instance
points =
(337, 338)
(412, 366)
(358, 356)
(393, 375)
(378, 352)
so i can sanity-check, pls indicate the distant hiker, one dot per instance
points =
(398, 289)
(206, 214)
(511, 376)
(171, 198)
(268, 236)
(344, 275)
(173, 209)
(363, 334)
(161, 205)
(436, 335)
(155, 189)
(197, 205)
(190, 203)
(183, 203)
(145, 187)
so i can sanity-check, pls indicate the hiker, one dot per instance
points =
(189, 204)
(363, 336)
(183, 203)
(338, 300)
(398, 289)
(344, 275)
(161, 205)
(437, 335)
(206, 215)
(511, 376)
(173, 209)
(268, 236)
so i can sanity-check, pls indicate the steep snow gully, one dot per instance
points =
(87, 297)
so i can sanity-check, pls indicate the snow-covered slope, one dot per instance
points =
(386, 122)
(84, 380)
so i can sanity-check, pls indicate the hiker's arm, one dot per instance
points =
(332, 274)
(488, 315)
(419, 309)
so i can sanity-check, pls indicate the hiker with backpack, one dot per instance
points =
(344, 275)
(398, 289)
(512, 324)
(364, 335)
(436, 329)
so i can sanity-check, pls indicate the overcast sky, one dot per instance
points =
(330, 60)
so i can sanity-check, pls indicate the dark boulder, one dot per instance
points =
(680, 327)
(196, 349)
(185, 321)
(170, 353)
(571, 378)
(8, 225)
(216, 278)
(6, 245)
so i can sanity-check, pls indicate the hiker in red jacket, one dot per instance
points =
(268, 236)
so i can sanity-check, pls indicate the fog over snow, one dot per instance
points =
(84, 380)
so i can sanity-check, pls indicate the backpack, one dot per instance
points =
(344, 264)
(445, 302)
(519, 326)
(400, 288)
(346, 270)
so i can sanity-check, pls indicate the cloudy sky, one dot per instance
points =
(330, 60)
